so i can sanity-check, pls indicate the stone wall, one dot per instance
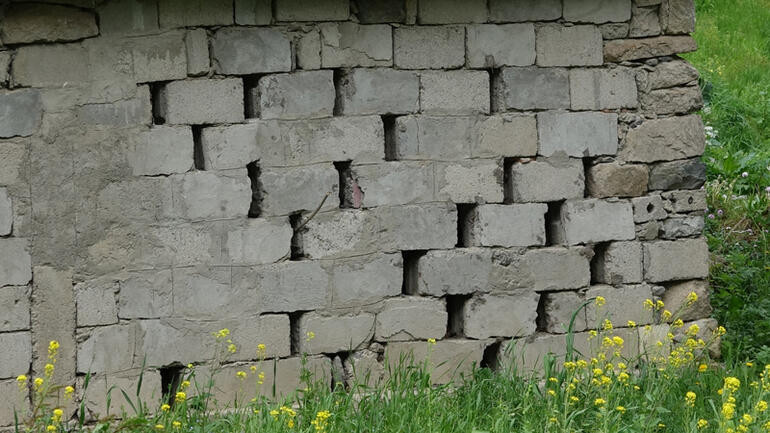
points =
(375, 172)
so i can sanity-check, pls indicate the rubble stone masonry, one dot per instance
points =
(376, 172)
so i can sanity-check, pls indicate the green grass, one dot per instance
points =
(734, 60)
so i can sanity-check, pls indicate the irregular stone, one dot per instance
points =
(547, 180)
(5, 68)
(6, 213)
(454, 92)
(25, 23)
(516, 225)
(676, 260)
(531, 88)
(623, 303)
(493, 46)
(669, 74)
(253, 12)
(644, 22)
(648, 208)
(198, 58)
(665, 139)
(685, 201)
(284, 191)
(635, 49)
(682, 227)
(558, 311)
(454, 272)
(478, 181)
(259, 241)
(648, 231)
(684, 174)
(191, 13)
(614, 30)
(677, 16)
(380, 11)
(242, 51)
(514, 315)
(21, 112)
(145, 294)
(618, 263)
(50, 65)
(411, 318)
(577, 134)
(17, 355)
(97, 303)
(15, 262)
(203, 101)
(451, 11)
(448, 360)
(597, 11)
(617, 180)
(676, 299)
(429, 47)
(675, 100)
(393, 183)
(349, 44)
(299, 95)
(307, 10)
(162, 150)
(569, 46)
(524, 10)
(600, 89)
(592, 220)
(334, 334)
(364, 281)
(14, 309)
(360, 92)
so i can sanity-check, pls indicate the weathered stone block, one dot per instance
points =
(665, 140)
(669, 74)
(334, 333)
(349, 45)
(577, 134)
(454, 92)
(454, 272)
(635, 49)
(290, 189)
(203, 195)
(623, 303)
(411, 318)
(311, 10)
(50, 65)
(300, 95)
(682, 227)
(547, 179)
(340, 234)
(591, 221)
(380, 11)
(524, 10)
(493, 46)
(190, 13)
(14, 309)
(504, 135)
(451, 11)
(285, 287)
(558, 268)
(601, 89)
(417, 227)
(107, 349)
(569, 46)
(618, 263)
(162, 150)
(448, 360)
(648, 208)
(676, 100)
(364, 281)
(259, 241)
(614, 30)
(531, 88)
(677, 16)
(617, 180)
(253, 12)
(308, 49)
(676, 260)
(128, 17)
(429, 47)
(206, 293)
(120, 114)
(17, 355)
(685, 201)
(648, 231)
(235, 146)
(97, 302)
(361, 92)
(393, 183)
(241, 51)
(676, 299)
(15, 262)
(203, 101)
(644, 22)
(24, 23)
(516, 225)
(12, 405)
(478, 181)
(597, 11)
(514, 315)
(684, 174)
(145, 294)
(21, 113)
(160, 57)
(558, 309)
(6, 213)
(198, 58)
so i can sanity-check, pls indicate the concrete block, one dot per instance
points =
(614, 30)
(601, 89)
(146, 200)
(380, 11)
(417, 227)
(676, 100)
(676, 299)
(683, 174)
(448, 360)
(648, 231)
(569, 46)
(454, 272)
(306, 10)
(21, 113)
(162, 150)
(677, 16)
(676, 260)
(364, 368)
(621, 50)
(207, 293)
(393, 183)
(235, 146)
(285, 287)
(97, 302)
(128, 17)
(451, 11)
(513, 315)
(334, 333)
(557, 268)
(17, 356)
(454, 92)
(99, 387)
(644, 22)
(429, 47)
(623, 303)
(618, 263)
(198, 58)
(160, 57)
(558, 309)
(682, 227)
(203, 101)
(648, 208)
(145, 294)
(25, 23)
(531, 88)
(258, 241)
(685, 201)
(345, 233)
(14, 308)
(53, 318)
(617, 180)
(349, 44)
(591, 220)
(5, 68)
(190, 13)
(364, 281)
(253, 12)
(242, 51)
(361, 92)
(15, 262)
(493, 46)
(308, 49)
(477, 181)
(299, 95)
(50, 65)
(6, 213)
(577, 134)
(516, 225)
(120, 114)
(12, 405)
(597, 11)
(411, 318)
(494, 136)
(205, 195)
(524, 10)
(287, 190)
(107, 349)
(546, 180)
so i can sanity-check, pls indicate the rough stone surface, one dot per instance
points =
(14, 306)
(600, 89)
(577, 134)
(20, 113)
(676, 100)
(364, 281)
(664, 140)
(676, 299)
(334, 334)
(635, 49)
(16, 357)
(618, 263)
(516, 225)
(623, 303)
(439, 47)
(531, 88)
(197, 43)
(361, 92)
(36, 22)
(682, 227)
(486, 316)
(546, 180)
(15, 262)
(203, 101)
(296, 96)
(448, 360)
(163, 150)
(597, 11)
(644, 22)
(240, 51)
(648, 208)
(478, 181)
(97, 303)
(350, 45)
(404, 319)
(685, 201)
(669, 74)
(558, 309)
(291, 189)
(676, 260)
(615, 180)
(454, 92)
(684, 174)
(436, 272)
(677, 16)
(380, 11)
(593, 220)
(569, 46)
(493, 46)
(189, 13)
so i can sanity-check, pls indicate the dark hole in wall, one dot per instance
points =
(494, 79)
(491, 359)
(255, 209)
(346, 184)
(251, 96)
(170, 378)
(338, 370)
(339, 83)
(553, 224)
(455, 304)
(598, 260)
(508, 179)
(297, 252)
(294, 331)
(391, 149)
(540, 321)
(411, 271)
(156, 97)
(197, 132)
(464, 223)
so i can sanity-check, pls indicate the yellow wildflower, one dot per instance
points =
(180, 397)
(728, 410)
(551, 392)
(290, 423)
(689, 398)
(165, 408)
(553, 420)
(592, 333)
(48, 369)
(732, 383)
(761, 406)
(720, 331)
(68, 391)
(621, 409)
(253, 368)
(600, 301)
(623, 377)
(600, 402)
(431, 341)
(222, 333)
(678, 323)
(692, 297)
(703, 367)
(581, 363)
(232, 348)
(631, 324)
(261, 349)
(648, 305)
(53, 348)
(702, 423)
(570, 365)
(553, 380)
(38, 382)
(261, 377)
(607, 325)
(57, 414)
(159, 426)
(240, 375)
(310, 335)
(51, 428)
(274, 413)
(666, 315)
(176, 424)
(618, 341)
(659, 304)
(184, 385)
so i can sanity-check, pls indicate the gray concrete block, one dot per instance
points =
(162, 150)
(451, 11)
(393, 183)
(577, 134)
(253, 12)
(366, 280)
(308, 49)
(203, 195)
(478, 181)
(682, 227)
(558, 310)
(685, 201)
(6, 212)
(623, 303)
(15, 262)
(378, 91)
(454, 92)
(300, 95)
(107, 349)
(601, 89)
(557, 268)
(203, 101)
(547, 179)
(258, 241)
(429, 47)
(617, 180)
(21, 113)
(14, 308)
(145, 294)
(207, 293)
(307, 10)
(648, 208)
(120, 114)
(50, 65)
(17, 356)
(591, 220)
(345, 233)
(417, 227)
(597, 11)
(676, 260)
(37, 22)
(241, 51)
(334, 334)
(510, 315)
(286, 190)
(493, 46)
(380, 11)
(53, 318)
(516, 225)
(411, 318)
(501, 11)
(531, 88)
(235, 146)
(447, 360)
(198, 58)
(454, 272)
(569, 46)
(618, 263)
(97, 303)
(190, 13)
(351, 45)
(614, 30)
(161, 57)
(644, 48)
(286, 287)
(128, 17)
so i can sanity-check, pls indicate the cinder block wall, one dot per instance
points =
(376, 172)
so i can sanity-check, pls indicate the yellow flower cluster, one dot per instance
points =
(321, 420)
